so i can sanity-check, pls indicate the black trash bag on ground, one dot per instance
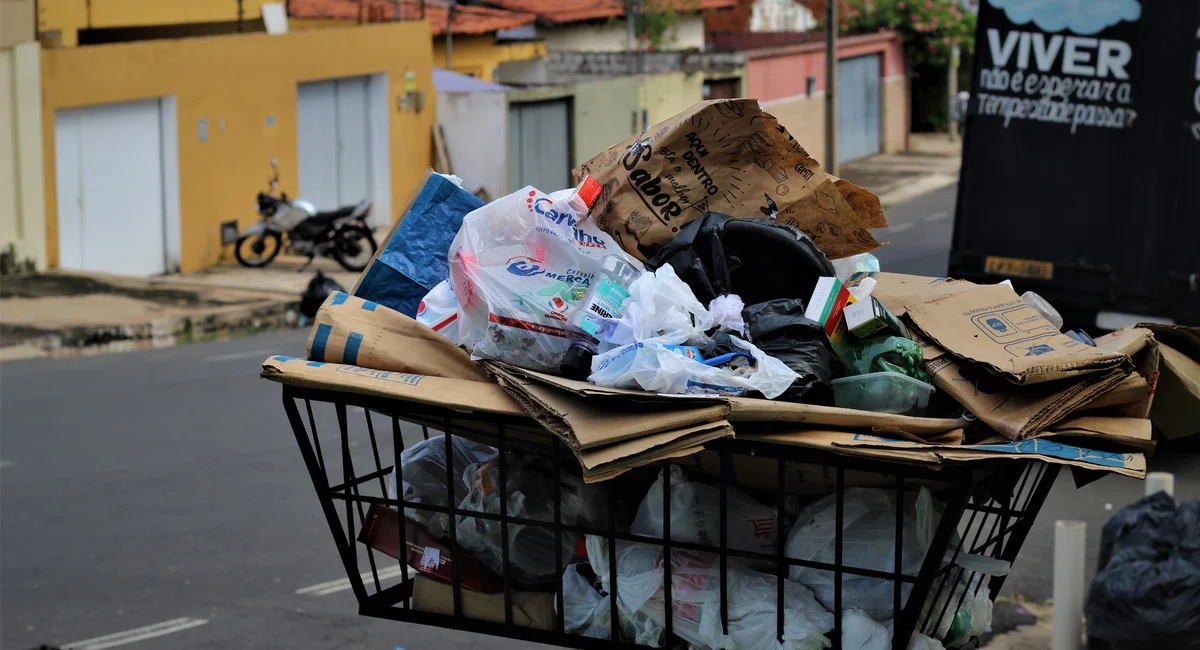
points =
(757, 259)
(779, 328)
(315, 294)
(1147, 592)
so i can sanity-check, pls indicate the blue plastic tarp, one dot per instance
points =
(415, 260)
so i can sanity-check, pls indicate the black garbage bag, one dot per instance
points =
(315, 294)
(1147, 592)
(779, 328)
(757, 259)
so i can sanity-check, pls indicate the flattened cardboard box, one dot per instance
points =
(725, 156)
(529, 609)
(1125, 463)
(457, 394)
(357, 332)
(992, 326)
(1101, 431)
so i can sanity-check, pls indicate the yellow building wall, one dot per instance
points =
(478, 56)
(241, 80)
(69, 16)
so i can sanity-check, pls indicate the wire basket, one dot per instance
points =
(351, 443)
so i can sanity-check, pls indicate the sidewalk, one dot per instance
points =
(931, 163)
(67, 314)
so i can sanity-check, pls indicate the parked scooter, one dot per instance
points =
(342, 234)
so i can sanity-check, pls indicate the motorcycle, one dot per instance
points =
(342, 234)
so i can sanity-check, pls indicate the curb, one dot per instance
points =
(256, 318)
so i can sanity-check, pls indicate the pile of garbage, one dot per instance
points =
(711, 257)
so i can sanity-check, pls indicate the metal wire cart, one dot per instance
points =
(958, 527)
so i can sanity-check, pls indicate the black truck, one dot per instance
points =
(1081, 158)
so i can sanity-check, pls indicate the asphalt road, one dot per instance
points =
(165, 488)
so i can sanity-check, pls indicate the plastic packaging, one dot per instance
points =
(519, 265)
(424, 466)
(439, 311)
(661, 305)
(868, 542)
(414, 259)
(696, 600)
(883, 354)
(696, 515)
(848, 266)
(727, 313)
(586, 611)
(531, 487)
(861, 632)
(780, 329)
(882, 392)
(1146, 592)
(590, 321)
(1044, 308)
(652, 365)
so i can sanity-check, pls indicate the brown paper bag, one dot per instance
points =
(724, 156)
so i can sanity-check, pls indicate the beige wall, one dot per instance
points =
(22, 204)
(687, 34)
(608, 111)
(18, 21)
(805, 120)
(895, 115)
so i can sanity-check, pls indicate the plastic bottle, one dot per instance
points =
(1044, 308)
(603, 301)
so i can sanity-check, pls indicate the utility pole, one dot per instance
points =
(629, 34)
(831, 32)
(952, 90)
(449, 33)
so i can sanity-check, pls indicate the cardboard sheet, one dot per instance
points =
(897, 290)
(589, 423)
(744, 409)
(362, 333)
(1176, 408)
(1105, 432)
(457, 394)
(991, 325)
(529, 609)
(1128, 464)
(724, 156)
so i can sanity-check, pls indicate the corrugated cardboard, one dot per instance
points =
(606, 462)
(1016, 412)
(803, 479)
(1176, 408)
(992, 326)
(1135, 433)
(586, 423)
(1134, 396)
(1128, 464)
(745, 409)
(897, 290)
(724, 156)
(458, 394)
(529, 609)
(362, 333)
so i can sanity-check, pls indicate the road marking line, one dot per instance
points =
(900, 227)
(6, 463)
(139, 634)
(334, 586)
(261, 354)
(936, 216)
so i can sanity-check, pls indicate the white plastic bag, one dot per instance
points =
(660, 304)
(531, 487)
(696, 515)
(518, 266)
(651, 365)
(868, 542)
(585, 610)
(727, 312)
(861, 632)
(439, 311)
(424, 466)
(696, 600)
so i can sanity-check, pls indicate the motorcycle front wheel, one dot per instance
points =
(354, 247)
(259, 249)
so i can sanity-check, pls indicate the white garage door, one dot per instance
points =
(111, 187)
(342, 140)
(539, 151)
